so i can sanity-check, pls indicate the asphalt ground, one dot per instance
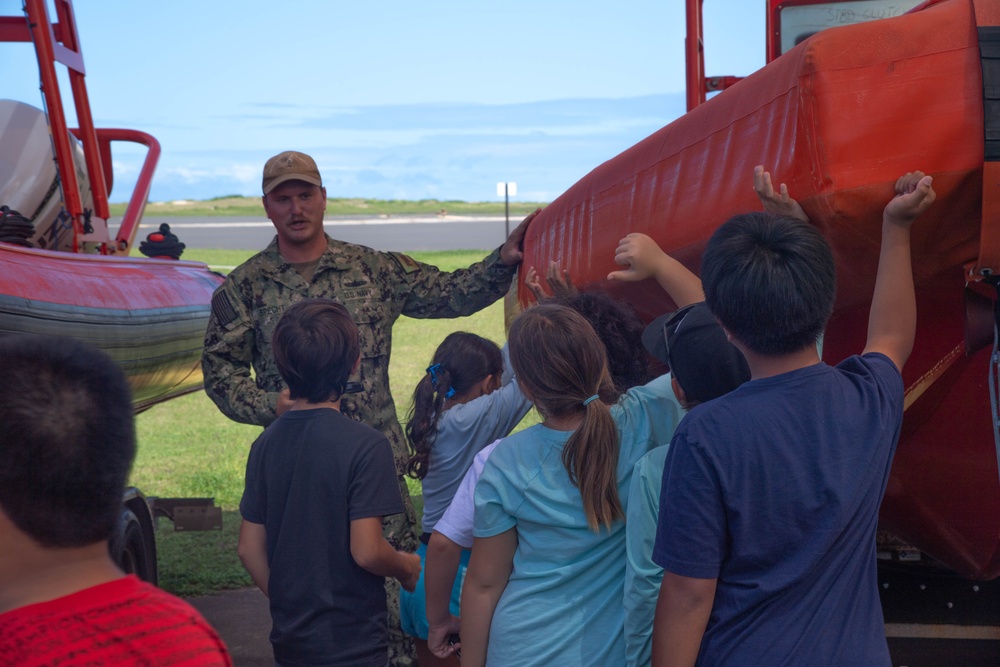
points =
(242, 619)
(401, 233)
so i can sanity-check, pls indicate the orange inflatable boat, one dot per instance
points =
(838, 118)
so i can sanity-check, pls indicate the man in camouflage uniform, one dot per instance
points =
(376, 287)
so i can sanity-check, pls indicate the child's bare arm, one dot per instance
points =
(252, 549)
(682, 611)
(370, 551)
(644, 259)
(440, 569)
(893, 319)
(779, 203)
(489, 570)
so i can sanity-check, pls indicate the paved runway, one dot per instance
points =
(403, 233)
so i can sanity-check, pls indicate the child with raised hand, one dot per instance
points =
(544, 584)
(317, 487)
(771, 493)
(703, 365)
(464, 402)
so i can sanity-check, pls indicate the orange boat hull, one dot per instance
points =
(148, 314)
(838, 118)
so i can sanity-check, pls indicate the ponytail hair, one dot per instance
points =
(560, 360)
(461, 361)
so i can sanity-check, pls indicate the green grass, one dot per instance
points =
(252, 207)
(217, 259)
(201, 562)
(188, 448)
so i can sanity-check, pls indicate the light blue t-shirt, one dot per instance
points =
(563, 601)
(642, 575)
(462, 432)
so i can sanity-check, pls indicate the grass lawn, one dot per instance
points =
(188, 448)
(252, 207)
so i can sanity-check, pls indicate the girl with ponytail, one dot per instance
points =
(466, 400)
(546, 579)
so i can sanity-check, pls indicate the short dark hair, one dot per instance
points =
(315, 346)
(620, 329)
(770, 280)
(68, 439)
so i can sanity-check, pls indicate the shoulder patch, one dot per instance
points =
(222, 308)
(407, 263)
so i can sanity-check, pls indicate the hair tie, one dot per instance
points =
(433, 369)
(590, 400)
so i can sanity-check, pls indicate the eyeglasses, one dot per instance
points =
(670, 326)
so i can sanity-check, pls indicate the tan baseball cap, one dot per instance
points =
(290, 166)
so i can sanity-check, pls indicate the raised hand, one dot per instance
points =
(779, 203)
(640, 255)
(914, 193)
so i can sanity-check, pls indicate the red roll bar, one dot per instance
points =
(60, 42)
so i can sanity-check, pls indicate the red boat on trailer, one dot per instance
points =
(75, 278)
(66, 273)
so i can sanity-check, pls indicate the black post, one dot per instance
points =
(506, 209)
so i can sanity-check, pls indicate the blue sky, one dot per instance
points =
(440, 99)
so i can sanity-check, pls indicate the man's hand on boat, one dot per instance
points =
(512, 251)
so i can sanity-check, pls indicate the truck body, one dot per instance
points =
(838, 114)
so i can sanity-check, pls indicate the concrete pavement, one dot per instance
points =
(242, 619)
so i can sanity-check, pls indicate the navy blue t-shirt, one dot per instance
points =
(774, 490)
(309, 474)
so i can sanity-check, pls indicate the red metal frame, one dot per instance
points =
(60, 42)
(140, 195)
(694, 55)
(697, 84)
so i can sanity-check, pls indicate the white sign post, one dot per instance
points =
(507, 190)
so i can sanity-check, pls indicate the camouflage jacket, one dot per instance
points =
(375, 287)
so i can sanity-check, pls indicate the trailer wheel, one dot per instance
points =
(130, 550)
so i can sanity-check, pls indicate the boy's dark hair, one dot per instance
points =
(68, 440)
(620, 329)
(770, 280)
(315, 346)
(461, 361)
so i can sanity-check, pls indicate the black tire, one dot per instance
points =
(128, 548)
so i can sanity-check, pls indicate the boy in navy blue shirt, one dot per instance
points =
(771, 493)
(317, 487)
